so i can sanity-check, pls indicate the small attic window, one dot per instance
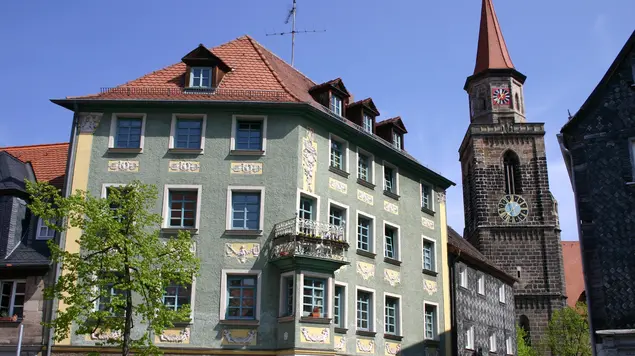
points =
(396, 140)
(200, 77)
(336, 105)
(368, 123)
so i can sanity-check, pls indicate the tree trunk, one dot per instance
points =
(128, 323)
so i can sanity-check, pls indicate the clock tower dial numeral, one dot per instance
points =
(513, 208)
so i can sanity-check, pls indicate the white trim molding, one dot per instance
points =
(399, 330)
(437, 317)
(373, 301)
(113, 128)
(346, 215)
(253, 118)
(223, 288)
(397, 241)
(383, 175)
(432, 194)
(105, 186)
(282, 302)
(245, 189)
(308, 195)
(344, 303)
(373, 230)
(345, 144)
(371, 163)
(187, 116)
(434, 252)
(328, 298)
(166, 200)
(40, 225)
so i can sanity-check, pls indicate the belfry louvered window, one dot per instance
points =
(511, 170)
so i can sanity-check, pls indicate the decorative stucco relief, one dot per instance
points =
(338, 186)
(430, 286)
(431, 351)
(315, 335)
(179, 336)
(441, 197)
(391, 348)
(366, 270)
(392, 277)
(88, 121)
(309, 161)
(242, 251)
(429, 223)
(391, 208)
(184, 166)
(340, 343)
(123, 166)
(239, 337)
(364, 197)
(105, 335)
(365, 346)
(246, 168)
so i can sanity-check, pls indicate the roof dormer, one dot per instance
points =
(204, 70)
(333, 95)
(363, 113)
(393, 131)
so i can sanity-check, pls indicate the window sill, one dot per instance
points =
(186, 151)
(10, 322)
(365, 333)
(177, 229)
(392, 261)
(286, 319)
(246, 153)
(340, 330)
(427, 211)
(239, 322)
(393, 337)
(339, 171)
(390, 194)
(124, 150)
(365, 183)
(366, 253)
(251, 233)
(429, 272)
(431, 342)
(315, 320)
(182, 323)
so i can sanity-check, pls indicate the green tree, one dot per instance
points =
(523, 348)
(115, 282)
(568, 332)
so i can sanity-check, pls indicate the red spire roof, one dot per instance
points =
(492, 51)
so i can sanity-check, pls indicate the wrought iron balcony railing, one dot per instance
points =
(309, 238)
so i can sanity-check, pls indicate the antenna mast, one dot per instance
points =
(291, 16)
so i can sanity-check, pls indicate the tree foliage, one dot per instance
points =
(114, 282)
(568, 332)
(524, 349)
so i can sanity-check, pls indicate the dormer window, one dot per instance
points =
(396, 140)
(201, 77)
(336, 105)
(367, 123)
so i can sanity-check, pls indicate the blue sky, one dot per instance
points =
(411, 57)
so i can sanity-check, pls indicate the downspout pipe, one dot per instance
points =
(70, 167)
(568, 160)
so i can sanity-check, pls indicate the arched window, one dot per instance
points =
(582, 297)
(523, 322)
(511, 169)
(516, 102)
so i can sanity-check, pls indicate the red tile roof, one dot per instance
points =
(492, 51)
(573, 276)
(48, 160)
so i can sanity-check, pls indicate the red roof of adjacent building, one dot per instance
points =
(573, 275)
(48, 160)
(492, 51)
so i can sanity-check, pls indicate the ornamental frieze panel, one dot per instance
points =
(242, 251)
(123, 166)
(247, 168)
(338, 186)
(392, 277)
(428, 223)
(101, 335)
(364, 197)
(366, 270)
(391, 208)
(430, 286)
(340, 343)
(88, 121)
(174, 336)
(184, 166)
(243, 337)
(365, 346)
(315, 335)
(309, 161)
(391, 348)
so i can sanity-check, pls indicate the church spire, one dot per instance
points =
(492, 51)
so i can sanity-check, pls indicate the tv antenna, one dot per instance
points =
(291, 17)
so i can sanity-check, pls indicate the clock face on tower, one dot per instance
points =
(500, 96)
(513, 208)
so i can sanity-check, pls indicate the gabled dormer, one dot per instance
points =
(204, 70)
(393, 131)
(333, 95)
(363, 113)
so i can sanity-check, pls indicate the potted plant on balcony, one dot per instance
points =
(317, 312)
(4, 316)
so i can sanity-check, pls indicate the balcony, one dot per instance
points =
(308, 244)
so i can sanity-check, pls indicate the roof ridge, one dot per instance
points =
(282, 60)
(36, 145)
(273, 72)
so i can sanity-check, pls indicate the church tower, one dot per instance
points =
(510, 214)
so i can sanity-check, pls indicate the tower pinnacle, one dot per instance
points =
(492, 51)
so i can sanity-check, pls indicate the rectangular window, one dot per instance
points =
(306, 209)
(313, 298)
(339, 302)
(367, 123)
(509, 346)
(463, 276)
(336, 105)
(364, 310)
(469, 338)
(128, 134)
(364, 233)
(288, 293)
(188, 133)
(426, 197)
(200, 77)
(249, 135)
(245, 211)
(390, 180)
(430, 319)
(43, 231)
(175, 296)
(363, 167)
(336, 216)
(492, 342)
(391, 242)
(481, 284)
(241, 297)
(12, 294)
(183, 205)
(110, 290)
(501, 293)
(391, 322)
(428, 255)
(337, 154)
(396, 140)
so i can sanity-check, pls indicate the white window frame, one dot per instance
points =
(469, 338)
(40, 225)
(364, 116)
(254, 118)
(463, 276)
(373, 232)
(105, 186)
(434, 252)
(345, 146)
(480, 285)
(438, 321)
(341, 104)
(113, 129)
(344, 303)
(397, 248)
(13, 294)
(371, 164)
(187, 116)
(211, 77)
(282, 304)
(192, 295)
(346, 215)
(399, 137)
(166, 200)
(245, 189)
(501, 293)
(432, 191)
(223, 286)
(308, 195)
(509, 346)
(383, 175)
(399, 318)
(372, 321)
(328, 298)
(492, 341)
